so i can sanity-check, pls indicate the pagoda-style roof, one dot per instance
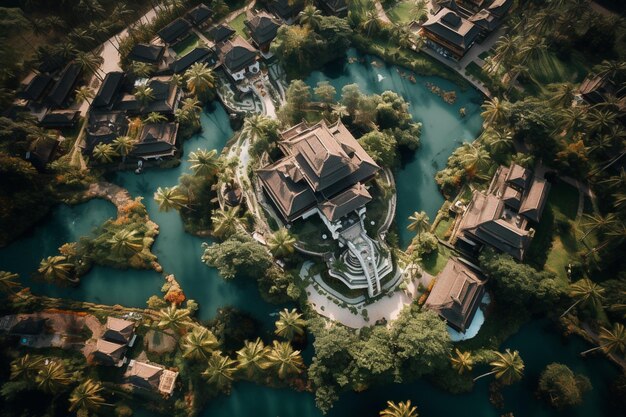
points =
(36, 87)
(518, 176)
(119, 330)
(109, 90)
(451, 27)
(535, 200)
(156, 140)
(199, 14)
(104, 127)
(500, 7)
(64, 86)
(486, 20)
(109, 353)
(236, 54)
(165, 96)
(335, 7)
(324, 166)
(60, 118)
(176, 30)
(200, 54)
(263, 28)
(147, 52)
(285, 9)
(456, 294)
(143, 375)
(220, 33)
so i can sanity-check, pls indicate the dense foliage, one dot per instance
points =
(561, 387)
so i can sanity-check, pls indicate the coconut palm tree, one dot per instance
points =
(600, 120)
(290, 324)
(474, 157)
(253, 358)
(90, 63)
(593, 222)
(104, 153)
(418, 222)
(340, 111)
(573, 118)
(225, 222)
(419, 10)
(254, 126)
(508, 367)
(611, 69)
(370, 22)
(611, 340)
(204, 163)
(25, 368)
(52, 377)
(87, 396)
(199, 344)
(499, 141)
(310, 16)
(494, 111)
(125, 243)
(505, 52)
(170, 198)
(220, 371)
(561, 94)
(144, 94)
(462, 361)
(141, 69)
(190, 111)
(56, 268)
(200, 79)
(172, 318)
(401, 409)
(284, 359)
(84, 93)
(9, 282)
(154, 117)
(281, 243)
(123, 145)
(587, 292)
(67, 50)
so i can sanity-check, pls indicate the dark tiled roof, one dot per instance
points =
(36, 87)
(263, 28)
(220, 33)
(237, 54)
(165, 95)
(104, 127)
(29, 325)
(456, 294)
(500, 7)
(286, 9)
(535, 200)
(60, 118)
(351, 199)
(109, 90)
(448, 25)
(156, 140)
(335, 6)
(175, 30)
(197, 55)
(148, 53)
(64, 86)
(199, 14)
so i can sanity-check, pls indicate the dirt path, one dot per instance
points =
(108, 191)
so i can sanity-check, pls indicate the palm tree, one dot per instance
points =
(505, 52)
(154, 117)
(600, 120)
(141, 69)
(290, 324)
(144, 94)
(401, 409)
(225, 222)
(611, 340)
(254, 126)
(508, 367)
(340, 111)
(462, 361)
(104, 153)
(284, 359)
(52, 377)
(200, 79)
(8, 282)
(419, 222)
(310, 16)
(123, 145)
(253, 358)
(474, 157)
(84, 93)
(599, 222)
(419, 10)
(56, 268)
(499, 141)
(125, 243)
(204, 163)
(494, 111)
(611, 69)
(281, 243)
(190, 110)
(170, 198)
(90, 63)
(199, 344)
(562, 94)
(172, 318)
(220, 370)
(87, 396)
(587, 292)
(371, 22)
(25, 368)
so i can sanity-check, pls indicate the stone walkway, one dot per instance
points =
(108, 191)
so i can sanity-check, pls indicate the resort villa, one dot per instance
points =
(238, 58)
(118, 336)
(150, 377)
(263, 28)
(502, 218)
(323, 172)
(454, 29)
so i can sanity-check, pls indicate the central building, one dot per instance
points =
(324, 172)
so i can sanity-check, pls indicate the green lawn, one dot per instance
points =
(238, 25)
(477, 72)
(400, 12)
(187, 45)
(549, 68)
(434, 262)
(564, 200)
(442, 228)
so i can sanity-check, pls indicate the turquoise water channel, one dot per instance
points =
(179, 253)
